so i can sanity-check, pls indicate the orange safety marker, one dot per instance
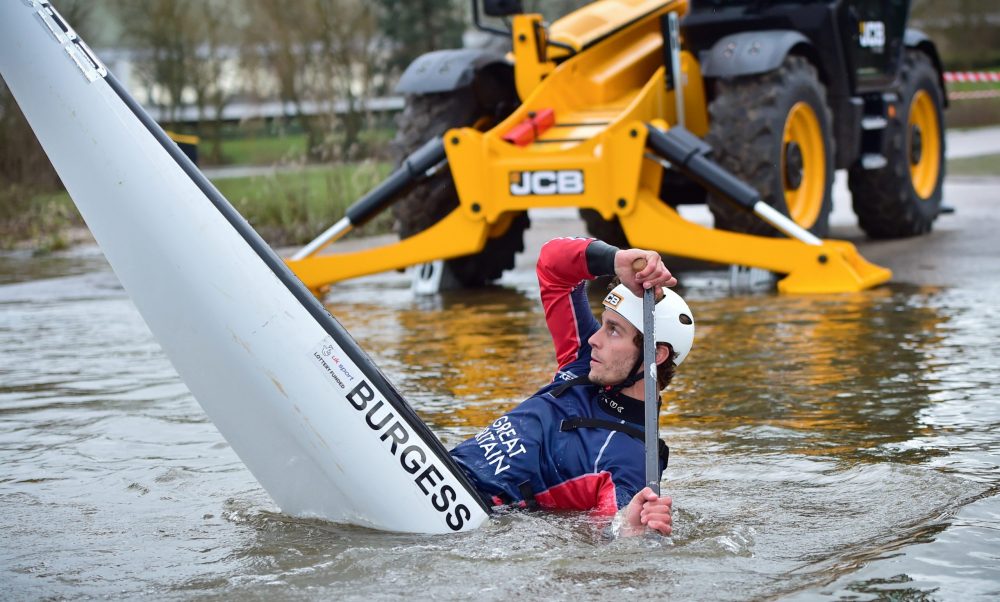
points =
(531, 128)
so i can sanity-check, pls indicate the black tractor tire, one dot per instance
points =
(675, 190)
(903, 198)
(610, 231)
(427, 116)
(751, 117)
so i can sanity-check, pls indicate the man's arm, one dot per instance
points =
(564, 264)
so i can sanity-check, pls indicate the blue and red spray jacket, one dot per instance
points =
(538, 454)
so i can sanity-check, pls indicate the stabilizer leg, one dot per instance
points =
(455, 235)
(812, 265)
(832, 266)
(421, 164)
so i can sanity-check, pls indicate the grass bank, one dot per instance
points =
(286, 208)
(42, 222)
(290, 208)
(972, 113)
(983, 165)
(257, 145)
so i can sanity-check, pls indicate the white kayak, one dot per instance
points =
(302, 405)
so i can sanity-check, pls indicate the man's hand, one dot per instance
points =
(655, 274)
(648, 510)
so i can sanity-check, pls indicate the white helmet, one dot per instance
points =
(672, 321)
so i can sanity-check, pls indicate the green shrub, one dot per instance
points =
(291, 208)
(40, 221)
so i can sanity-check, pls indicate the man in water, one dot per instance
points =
(577, 443)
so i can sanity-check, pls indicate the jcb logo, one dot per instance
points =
(871, 34)
(564, 181)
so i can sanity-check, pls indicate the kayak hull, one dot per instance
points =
(302, 405)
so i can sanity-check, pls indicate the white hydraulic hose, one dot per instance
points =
(787, 227)
(342, 227)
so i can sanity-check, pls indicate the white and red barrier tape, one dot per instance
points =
(952, 77)
(972, 76)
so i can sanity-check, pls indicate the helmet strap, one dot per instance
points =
(634, 377)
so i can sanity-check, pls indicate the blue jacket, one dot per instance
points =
(548, 451)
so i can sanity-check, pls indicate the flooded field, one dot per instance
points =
(830, 447)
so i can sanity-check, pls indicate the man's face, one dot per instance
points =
(614, 350)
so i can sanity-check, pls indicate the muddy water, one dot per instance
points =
(832, 447)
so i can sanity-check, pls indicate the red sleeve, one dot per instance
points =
(562, 270)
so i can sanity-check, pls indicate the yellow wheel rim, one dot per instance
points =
(803, 165)
(923, 144)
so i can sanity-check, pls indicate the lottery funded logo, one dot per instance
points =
(329, 358)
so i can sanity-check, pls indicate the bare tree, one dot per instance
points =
(418, 26)
(216, 31)
(967, 31)
(282, 40)
(180, 48)
(350, 59)
(160, 34)
(325, 57)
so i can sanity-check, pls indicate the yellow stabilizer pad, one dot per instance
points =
(838, 268)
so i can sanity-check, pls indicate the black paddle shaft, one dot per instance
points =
(650, 395)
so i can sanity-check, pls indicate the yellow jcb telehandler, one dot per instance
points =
(627, 108)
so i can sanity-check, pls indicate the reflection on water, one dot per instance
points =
(461, 356)
(832, 447)
(826, 375)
